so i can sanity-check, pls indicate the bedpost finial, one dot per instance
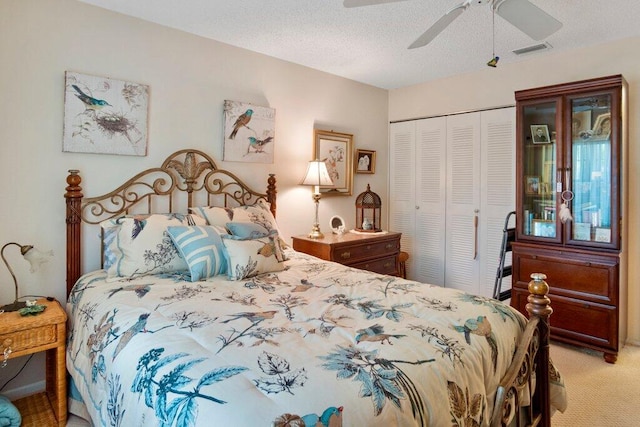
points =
(539, 303)
(73, 184)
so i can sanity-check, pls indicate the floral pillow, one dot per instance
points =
(202, 249)
(250, 257)
(246, 230)
(140, 245)
(259, 214)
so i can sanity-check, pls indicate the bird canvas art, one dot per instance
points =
(249, 132)
(104, 116)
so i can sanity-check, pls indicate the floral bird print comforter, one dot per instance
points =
(318, 344)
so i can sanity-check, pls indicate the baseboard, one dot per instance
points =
(26, 390)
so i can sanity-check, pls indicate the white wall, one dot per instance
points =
(496, 86)
(190, 77)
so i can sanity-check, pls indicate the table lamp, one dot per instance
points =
(317, 175)
(35, 258)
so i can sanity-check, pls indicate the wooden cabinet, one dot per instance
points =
(377, 252)
(20, 336)
(570, 204)
(451, 185)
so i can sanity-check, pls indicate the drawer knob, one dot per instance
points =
(389, 246)
(368, 247)
(345, 255)
(388, 264)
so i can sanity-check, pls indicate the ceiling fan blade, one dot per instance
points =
(439, 26)
(528, 18)
(358, 3)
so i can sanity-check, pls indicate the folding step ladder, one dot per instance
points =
(508, 237)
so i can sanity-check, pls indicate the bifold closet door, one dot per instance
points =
(417, 189)
(497, 189)
(462, 253)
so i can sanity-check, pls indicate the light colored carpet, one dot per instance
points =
(600, 394)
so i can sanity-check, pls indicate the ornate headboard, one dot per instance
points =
(186, 178)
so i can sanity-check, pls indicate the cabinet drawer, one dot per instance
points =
(353, 253)
(578, 321)
(31, 338)
(590, 277)
(387, 265)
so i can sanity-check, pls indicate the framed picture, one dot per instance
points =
(540, 134)
(104, 115)
(249, 132)
(336, 150)
(544, 228)
(532, 185)
(580, 123)
(582, 231)
(602, 127)
(365, 161)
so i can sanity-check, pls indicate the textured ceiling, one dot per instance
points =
(369, 44)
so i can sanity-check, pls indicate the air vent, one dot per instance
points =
(533, 48)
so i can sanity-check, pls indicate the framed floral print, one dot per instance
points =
(336, 151)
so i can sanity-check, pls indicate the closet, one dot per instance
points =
(451, 185)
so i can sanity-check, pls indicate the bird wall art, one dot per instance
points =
(249, 132)
(103, 115)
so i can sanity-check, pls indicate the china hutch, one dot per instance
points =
(570, 207)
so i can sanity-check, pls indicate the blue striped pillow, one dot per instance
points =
(202, 249)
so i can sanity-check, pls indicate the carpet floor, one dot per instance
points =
(600, 394)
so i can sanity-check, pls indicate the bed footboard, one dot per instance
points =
(527, 380)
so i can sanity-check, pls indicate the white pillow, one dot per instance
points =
(142, 246)
(250, 257)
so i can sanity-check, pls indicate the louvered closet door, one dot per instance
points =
(402, 185)
(462, 254)
(497, 192)
(430, 160)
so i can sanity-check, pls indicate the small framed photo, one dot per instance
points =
(582, 231)
(602, 127)
(540, 134)
(531, 185)
(365, 161)
(544, 228)
(603, 235)
(580, 123)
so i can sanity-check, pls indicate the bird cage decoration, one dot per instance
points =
(368, 211)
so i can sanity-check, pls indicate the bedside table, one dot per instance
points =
(377, 252)
(33, 334)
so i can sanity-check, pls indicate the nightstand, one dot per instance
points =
(377, 252)
(33, 334)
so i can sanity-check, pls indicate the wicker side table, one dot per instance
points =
(33, 334)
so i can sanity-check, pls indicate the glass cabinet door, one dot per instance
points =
(539, 157)
(591, 172)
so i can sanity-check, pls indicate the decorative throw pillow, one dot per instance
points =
(259, 214)
(247, 230)
(202, 249)
(250, 257)
(142, 246)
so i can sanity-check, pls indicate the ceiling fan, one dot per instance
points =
(524, 15)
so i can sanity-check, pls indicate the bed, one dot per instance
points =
(219, 323)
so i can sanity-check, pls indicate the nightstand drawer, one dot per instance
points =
(350, 254)
(383, 265)
(42, 336)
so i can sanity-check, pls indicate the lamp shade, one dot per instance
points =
(317, 174)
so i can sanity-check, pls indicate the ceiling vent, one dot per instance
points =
(533, 48)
